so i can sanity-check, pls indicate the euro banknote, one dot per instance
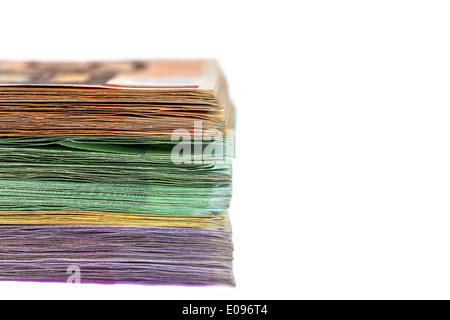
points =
(121, 171)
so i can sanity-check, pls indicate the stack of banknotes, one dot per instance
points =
(115, 172)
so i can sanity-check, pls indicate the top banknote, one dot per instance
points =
(156, 74)
(137, 98)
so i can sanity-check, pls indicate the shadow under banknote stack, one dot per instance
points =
(115, 172)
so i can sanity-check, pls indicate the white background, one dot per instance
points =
(342, 176)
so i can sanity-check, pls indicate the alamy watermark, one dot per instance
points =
(74, 273)
(202, 145)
